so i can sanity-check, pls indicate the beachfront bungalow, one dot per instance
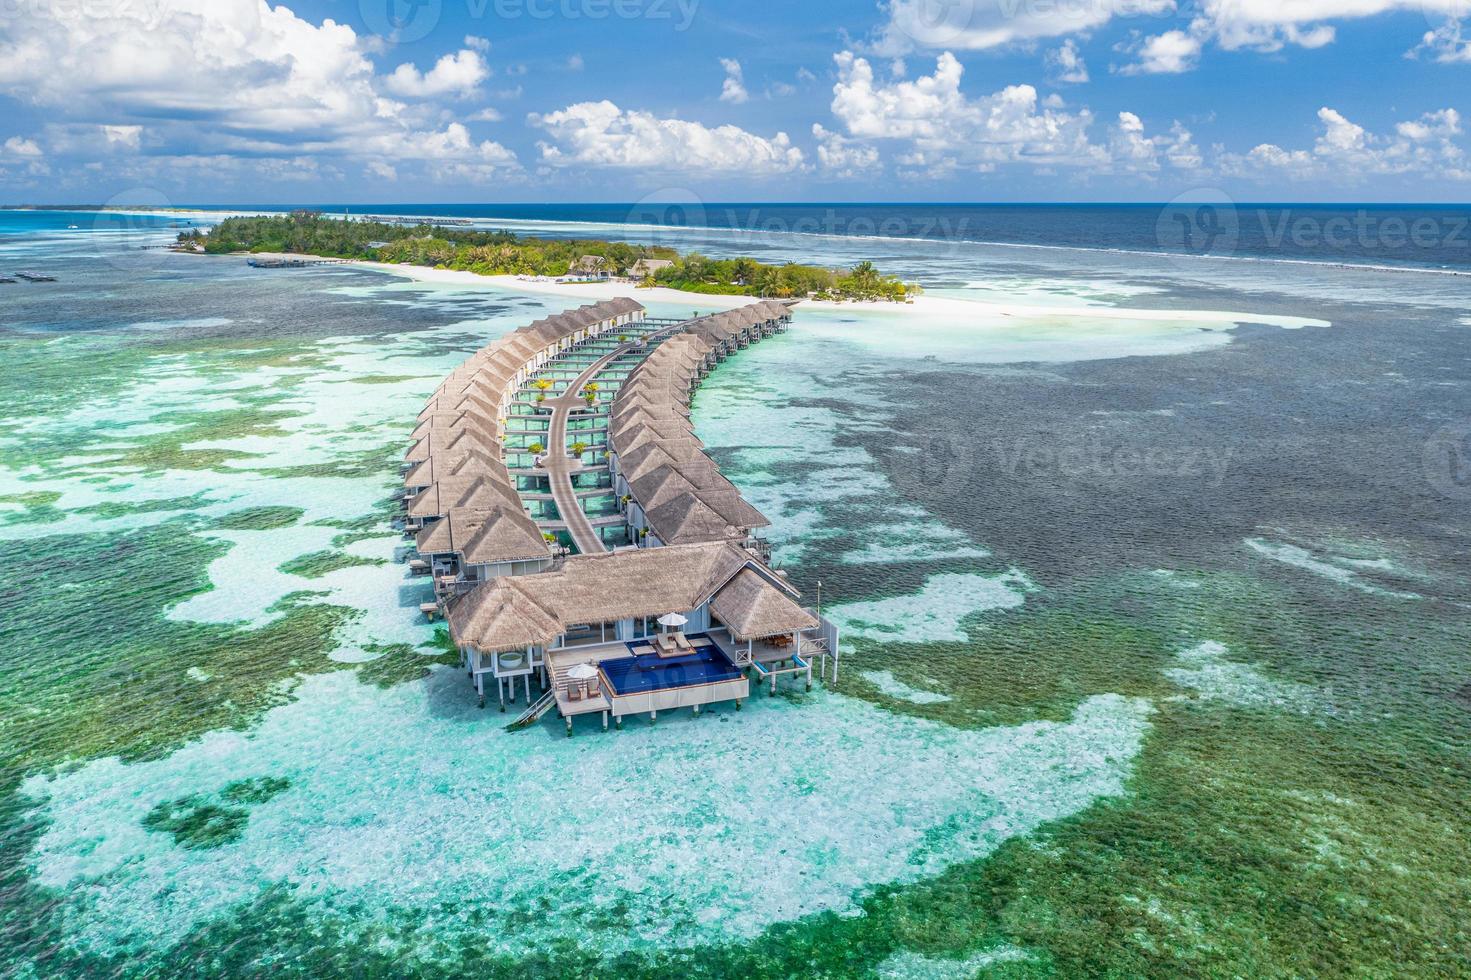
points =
(592, 631)
(591, 267)
(646, 268)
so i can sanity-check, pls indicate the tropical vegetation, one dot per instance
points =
(505, 253)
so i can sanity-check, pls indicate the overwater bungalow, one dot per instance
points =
(590, 631)
(591, 267)
(685, 619)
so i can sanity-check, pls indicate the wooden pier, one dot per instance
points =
(290, 261)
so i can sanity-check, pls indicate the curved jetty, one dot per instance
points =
(578, 535)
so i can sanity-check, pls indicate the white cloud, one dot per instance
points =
(230, 79)
(1445, 44)
(488, 114)
(1165, 54)
(1180, 149)
(1065, 64)
(575, 62)
(842, 157)
(945, 126)
(21, 149)
(1129, 147)
(733, 89)
(1424, 147)
(457, 74)
(1132, 151)
(123, 136)
(480, 44)
(977, 25)
(599, 134)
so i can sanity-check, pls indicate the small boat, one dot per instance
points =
(71, 227)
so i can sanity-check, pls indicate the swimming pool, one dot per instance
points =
(640, 673)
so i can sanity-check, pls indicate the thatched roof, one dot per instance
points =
(451, 422)
(641, 582)
(482, 536)
(682, 493)
(687, 518)
(647, 267)
(752, 608)
(478, 492)
(505, 534)
(606, 587)
(499, 616)
(434, 469)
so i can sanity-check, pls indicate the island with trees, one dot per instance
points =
(495, 252)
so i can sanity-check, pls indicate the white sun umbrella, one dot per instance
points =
(672, 619)
(582, 672)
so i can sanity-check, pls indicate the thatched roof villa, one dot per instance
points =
(681, 618)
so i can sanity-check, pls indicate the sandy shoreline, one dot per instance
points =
(922, 307)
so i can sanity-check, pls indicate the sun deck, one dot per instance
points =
(633, 677)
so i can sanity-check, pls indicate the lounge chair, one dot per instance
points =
(681, 642)
(665, 642)
(574, 691)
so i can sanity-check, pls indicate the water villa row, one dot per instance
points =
(580, 539)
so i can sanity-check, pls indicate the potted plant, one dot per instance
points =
(578, 448)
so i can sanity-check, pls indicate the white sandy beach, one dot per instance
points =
(930, 308)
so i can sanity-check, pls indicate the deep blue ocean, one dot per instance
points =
(1208, 225)
(1434, 236)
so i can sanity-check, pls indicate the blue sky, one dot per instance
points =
(612, 100)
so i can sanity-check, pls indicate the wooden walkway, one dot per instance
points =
(558, 468)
